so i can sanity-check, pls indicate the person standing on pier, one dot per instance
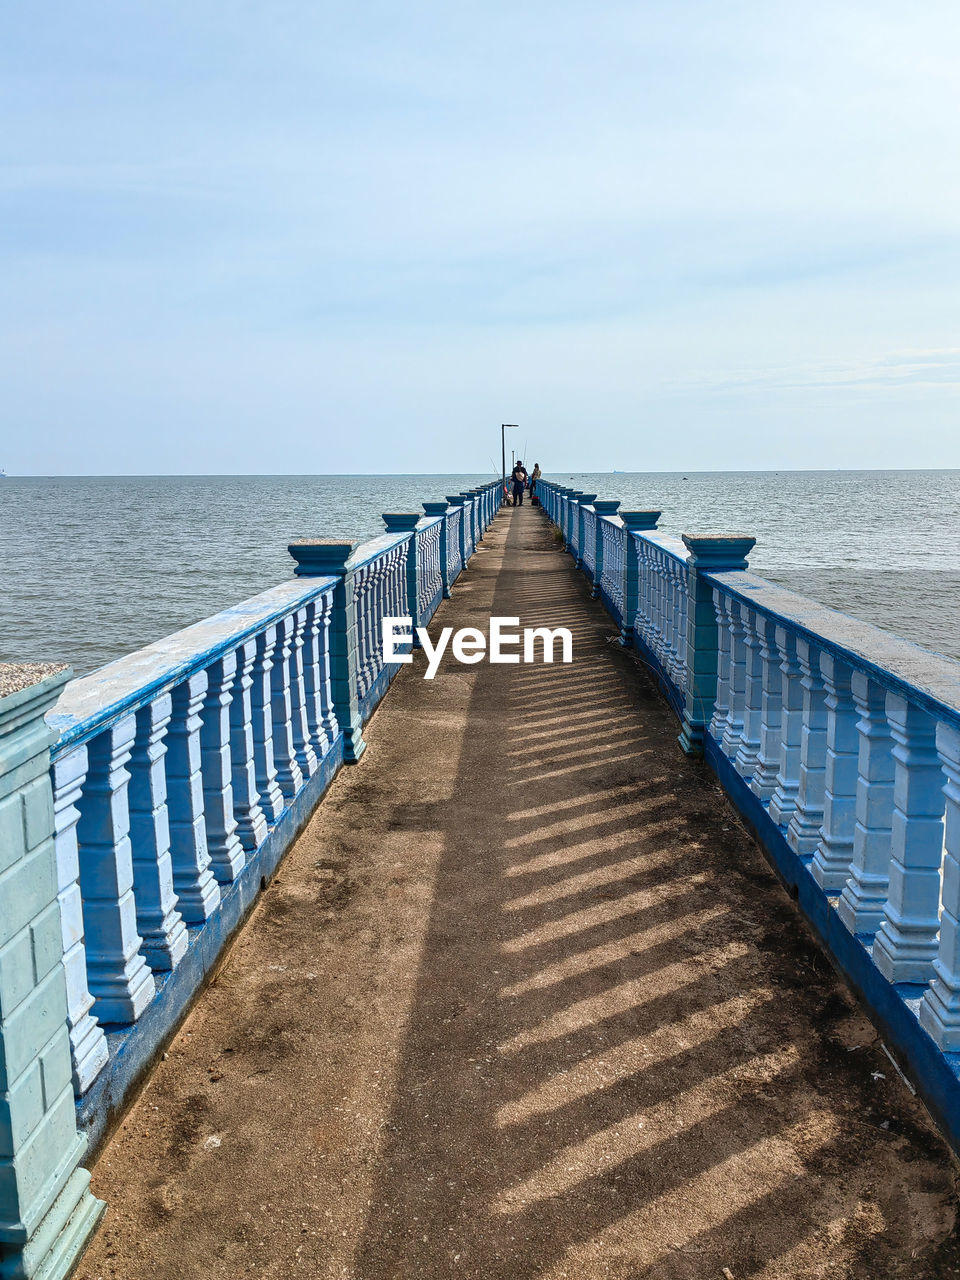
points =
(519, 478)
(534, 477)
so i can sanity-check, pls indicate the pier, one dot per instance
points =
(645, 965)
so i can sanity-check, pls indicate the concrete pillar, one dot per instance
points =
(47, 1213)
(635, 522)
(329, 557)
(603, 507)
(707, 555)
(406, 522)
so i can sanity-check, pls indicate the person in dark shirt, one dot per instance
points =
(519, 478)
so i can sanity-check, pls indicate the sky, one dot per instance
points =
(298, 237)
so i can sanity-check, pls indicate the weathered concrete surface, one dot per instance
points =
(525, 1002)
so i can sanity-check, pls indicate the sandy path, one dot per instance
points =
(524, 1001)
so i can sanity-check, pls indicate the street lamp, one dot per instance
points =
(504, 428)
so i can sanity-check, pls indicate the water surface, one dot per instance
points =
(94, 567)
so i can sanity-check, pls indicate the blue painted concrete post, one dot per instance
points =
(47, 1213)
(707, 555)
(458, 500)
(583, 500)
(406, 522)
(603, 507)
(328, 557)
(635, 522)
(440, 509)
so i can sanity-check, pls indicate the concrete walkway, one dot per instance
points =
(524, 1001)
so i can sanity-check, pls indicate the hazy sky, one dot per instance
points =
(291, 236)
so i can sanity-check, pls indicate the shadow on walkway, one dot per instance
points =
(525, 1002)
(625, 1057)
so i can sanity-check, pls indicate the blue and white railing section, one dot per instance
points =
(850, 738)
(173, 764)
(845, 738)
(162, 791)
(171, 767)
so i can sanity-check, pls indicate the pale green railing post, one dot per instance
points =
(634, 522)
(47, 1213)
(315, 559)
(707, 555)
(406, 522)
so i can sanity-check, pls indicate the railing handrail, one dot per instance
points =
(927, 678)
(374, 548)
(668, 543)
(94, 702)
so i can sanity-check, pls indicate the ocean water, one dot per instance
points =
(95, 567)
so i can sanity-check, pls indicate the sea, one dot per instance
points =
(95, 567)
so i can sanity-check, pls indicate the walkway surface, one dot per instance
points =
(525, 1001)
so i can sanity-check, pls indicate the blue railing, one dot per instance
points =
(839, 742)
(141, 818)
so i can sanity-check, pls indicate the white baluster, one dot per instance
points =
(905, 945)
(803, 833)
(764, 780)
(216, 766)
(198, 894)
(834, 854)
(120, 982)
(748, 752)
(271, 797)
(316, 676)
(733, 730)
(88, 1045)
(289, 775)
(865, 893)
(721, 703)
(299, 721)
(783, 802)
(160, 924)
(251, 821)
(940, 1008)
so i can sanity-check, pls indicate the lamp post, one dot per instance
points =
(504, 427)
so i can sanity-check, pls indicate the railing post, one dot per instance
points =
(47, 1213)
(440, 509)
(328, 557)
(406, 522)
(707, 555)
(635, 522)
(603, 507)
